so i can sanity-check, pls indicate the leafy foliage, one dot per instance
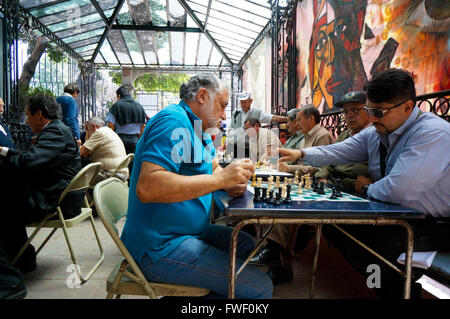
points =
(154, 81)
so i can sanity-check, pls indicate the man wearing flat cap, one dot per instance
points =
(352, 105)
(240, 115)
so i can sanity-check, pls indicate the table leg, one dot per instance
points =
(316, 258)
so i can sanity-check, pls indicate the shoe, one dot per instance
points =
(280, 274)
(13, 292)
(267, 256)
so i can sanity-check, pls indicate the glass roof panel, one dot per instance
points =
(139, 11)
(133, 46)
(190, 23)
(88, 41)
(162, 47)
(158, 12)
(81, 29)
(177, 42)
(204, 50)
(241, 14)
(124, 15)
(230, 26)
(250, 7)
(118, 45)
(76, 23)
(82, 36)
(72, 5)
(76, 12)
(99, 59)
(148, 46)
(177, 15)
(191, 47)
(219, 32)
(88, 54)
(86, 48)
(108, 53)
(216, 57)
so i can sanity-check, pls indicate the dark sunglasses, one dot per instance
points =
(379, 113)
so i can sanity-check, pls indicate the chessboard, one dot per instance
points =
(288, 190)
(310, 195)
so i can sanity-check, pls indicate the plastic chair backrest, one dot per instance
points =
(111, 204)
(111, 201)
(124, 164)
(82, 180)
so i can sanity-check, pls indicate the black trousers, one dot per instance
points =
(389, 242)
(9, 275)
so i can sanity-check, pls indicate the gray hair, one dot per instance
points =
(189, 90)
(292, 114)
(309, 110)
(97, 121)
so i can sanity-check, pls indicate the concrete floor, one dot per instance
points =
(336, 279)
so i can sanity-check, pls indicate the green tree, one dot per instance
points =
(154, 81)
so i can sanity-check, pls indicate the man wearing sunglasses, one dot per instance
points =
(352, 104)
(407, 151)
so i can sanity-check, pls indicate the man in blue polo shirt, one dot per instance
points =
(167, 229)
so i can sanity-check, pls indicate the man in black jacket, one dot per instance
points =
(33, 180)
(127, 118)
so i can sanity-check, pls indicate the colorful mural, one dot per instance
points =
(342, 43)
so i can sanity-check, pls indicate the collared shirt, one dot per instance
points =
(266, 139)
(417, 163)
(294, 141)
(316, 136)
(132, 128)
(172, 141)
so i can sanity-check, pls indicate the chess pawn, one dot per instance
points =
(257, 196)
(288, 194)
(264, 194)
(254, 180)
(285, 181)
(277, 183)
(299, 190)
(320, 189)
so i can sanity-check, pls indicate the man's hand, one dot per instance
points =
(237, 190)
(362, 181)
(238, 172)
(79, 142)
(282, 167)
(288, 155)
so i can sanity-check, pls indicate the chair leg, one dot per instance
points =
(83, 278)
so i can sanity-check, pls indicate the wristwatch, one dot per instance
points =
(364, 190)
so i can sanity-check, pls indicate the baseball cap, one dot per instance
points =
(354, 96)
(245, 95)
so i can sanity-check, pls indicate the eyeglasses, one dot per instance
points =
(354, 111)
(379, 113)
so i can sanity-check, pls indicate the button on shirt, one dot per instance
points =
(417, 163)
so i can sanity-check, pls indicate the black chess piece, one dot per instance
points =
(264, 194)
(315, 185)
(288, 198)
(320, 189)
(338, 187)
(333, 195)
(271, 199)
(257, 196)
(278, 198)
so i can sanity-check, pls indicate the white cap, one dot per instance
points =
(245, 96)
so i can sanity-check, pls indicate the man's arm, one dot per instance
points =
(84, 151)
(279, 119)
(157, 185)
(142, 130)
(111, 126)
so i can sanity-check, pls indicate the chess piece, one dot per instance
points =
(278, 198)
(320, 189)
(296, 178)
(288, 198)
(299, 190)
(333, 195)
(254, 180)
(338, 187)
(271, 199)
(257, 196)
(315, 185)
(259, 182)
(303, 181)
(264, 194)
(277, 182)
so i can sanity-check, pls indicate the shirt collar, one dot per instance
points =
(67, 94)
(350, 131)
(313, 130)
(392, 137)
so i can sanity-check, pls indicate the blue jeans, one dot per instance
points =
(204, 262)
